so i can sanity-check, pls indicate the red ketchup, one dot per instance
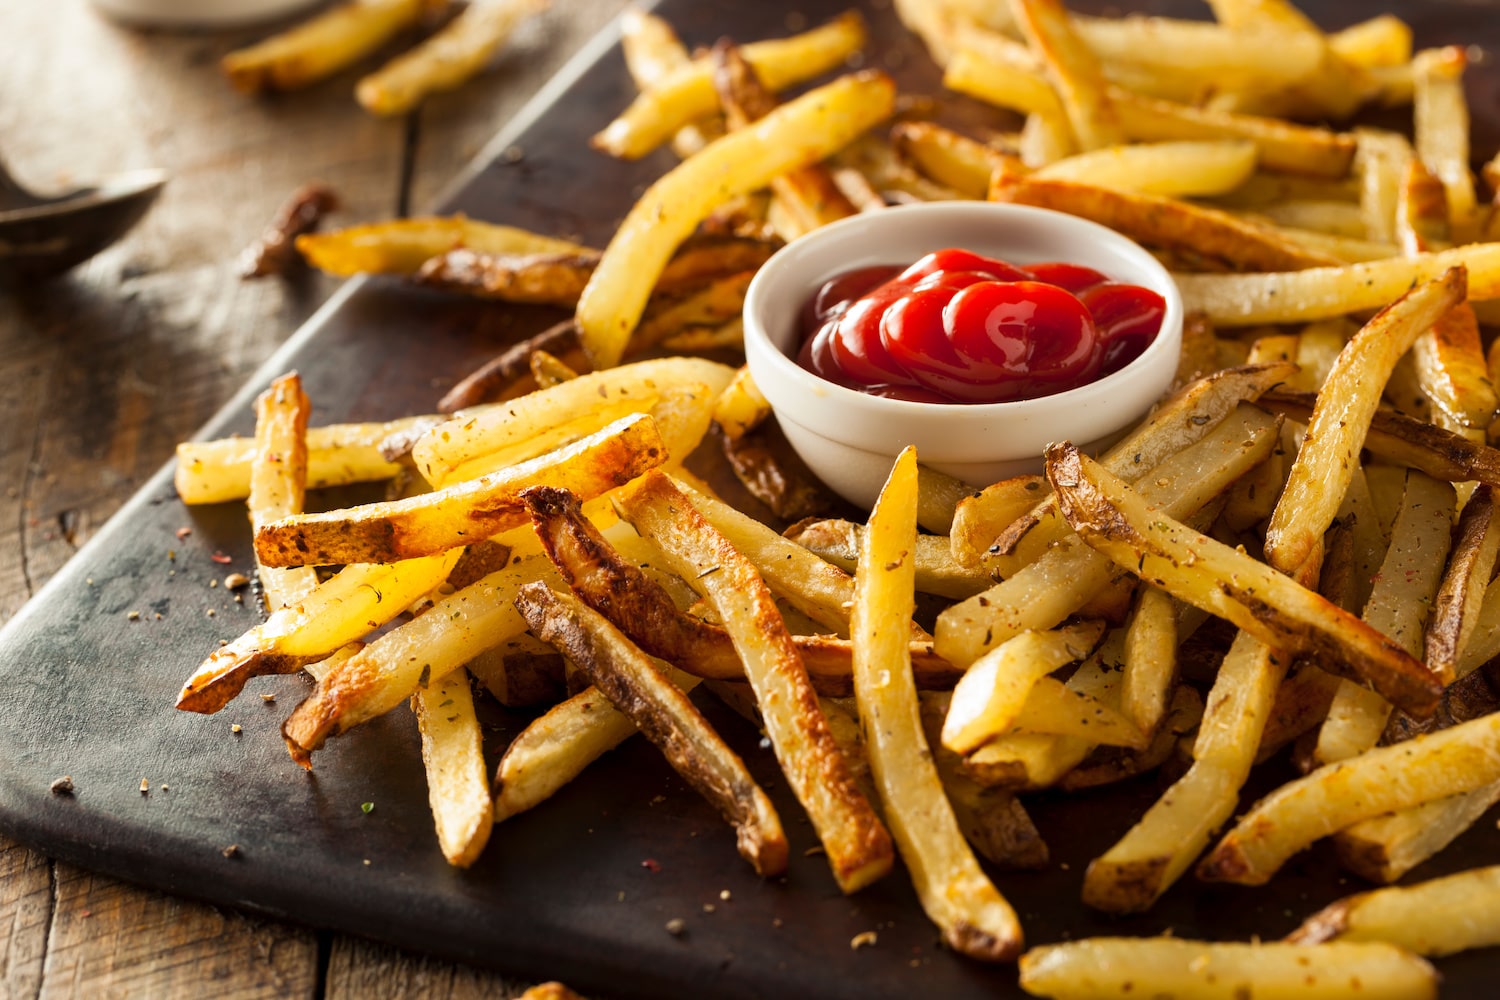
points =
(956, 327)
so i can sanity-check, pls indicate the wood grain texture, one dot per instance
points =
(105, 369)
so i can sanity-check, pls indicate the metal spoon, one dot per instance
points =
(42, 236)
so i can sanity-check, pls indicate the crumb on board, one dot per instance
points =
(145, 785)
(676, 926)
(62, 786)
(864, 939)
(232, 851)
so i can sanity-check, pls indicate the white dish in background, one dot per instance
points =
(198, 13)
(850, 438)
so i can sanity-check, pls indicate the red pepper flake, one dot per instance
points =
(651, 865)
(184, 531)
(220, 557)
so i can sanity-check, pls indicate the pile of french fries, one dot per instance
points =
(1312, 512)
(351, 30)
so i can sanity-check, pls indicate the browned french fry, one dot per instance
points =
(1476, 546)
(1073, 69)
(1437, 917)
(937, 573)
(278, 479)
(859, 848)
(1342, 415)
(321, 46)
(457, 786)
(1208, 574)
(448, 518)
(955, 160)
(632, 682)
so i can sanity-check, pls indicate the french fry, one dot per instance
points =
(1183, 169)
(992, 693)
(687, 94)
(402, 246)
(1440, 116)
(446, 59)
(448, 447)
(1073, 69)
(797, 134)
(278, 479)
(974, 918)
(1053, 707)
(457, 784)
(448, 518)
(633, 683)
(1441, 916)
(978, 519)
(412, 656)
(1455, 610)
(1342, 415)
(1059, 582)
(859, 848)
(319, 47)
(1096, 968)
(1322, 293)
(340, 610)
(1387, 847)
(1208, 574)
(1428, 767)
(936, 572)
(1403, 592)
(741, 407)
(1150, 673)
(1167, 223)
(955, 160)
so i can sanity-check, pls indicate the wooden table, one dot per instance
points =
(105, 369)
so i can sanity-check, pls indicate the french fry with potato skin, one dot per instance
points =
(799, 133)
(1341, 417)
(659, 709)
(1168, 223)
(1196, 569)
(957, 161)
(429, 647)
(1106, 968)
(472, 509)
(1386, 779)
(402, 246)
(858, 846)
(1441, 916)
(278, 480)
(958, 897)
(339, 611)
(1074, 71)
(458, 786)
(838, 542)
(1476, 548)
(1183, 169)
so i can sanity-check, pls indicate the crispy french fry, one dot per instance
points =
(797, 134)
(1168, 223)
(278, 480)
(402, 246)
(1208, 574)
(1184, 169)
(978, 519)
(955, 160)
(429, 647)
(659, 709)
(859, 848)
(457, 784)
(1440, 115)
(1342, 415)
(974, 918)
(1387, 847)
(339, 611)
(319, 47)
(1073, 69)
(1428, 767)
(452, 516)
(687, 94)
(1098, 968)
(1438, 917)
(741, 407)
(1455, 610)
(446, 59)
(1150, 673)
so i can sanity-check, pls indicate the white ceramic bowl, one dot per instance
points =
(850, 438)
(198, 13)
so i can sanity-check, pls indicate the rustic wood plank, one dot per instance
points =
(25, 914)
(364, 970)
(161, 946)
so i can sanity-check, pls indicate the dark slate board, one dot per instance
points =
(560, 892)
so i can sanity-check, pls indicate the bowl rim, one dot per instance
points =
(761, 344)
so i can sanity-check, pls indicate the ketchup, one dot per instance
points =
(956, 327)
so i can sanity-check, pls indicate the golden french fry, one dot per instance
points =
(1341, 417)
(444, 60)
(740, 407)
(951, 159)
(1209, 574)
(402, 246)
(859, 848)
(1150, 672)
(687, 93)
(1455, 610)
(630, 679)
(1184, 169)
(1073, 69)
(321, 46)
(278, 480)
(1100, 968)
(954, 891)
(1440, 116)
(797, 134)
(1437, 917)
(457, 785)
(936, 572)
(1387, 847)
(1451, 761)
(472, 509)
(339, 611)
